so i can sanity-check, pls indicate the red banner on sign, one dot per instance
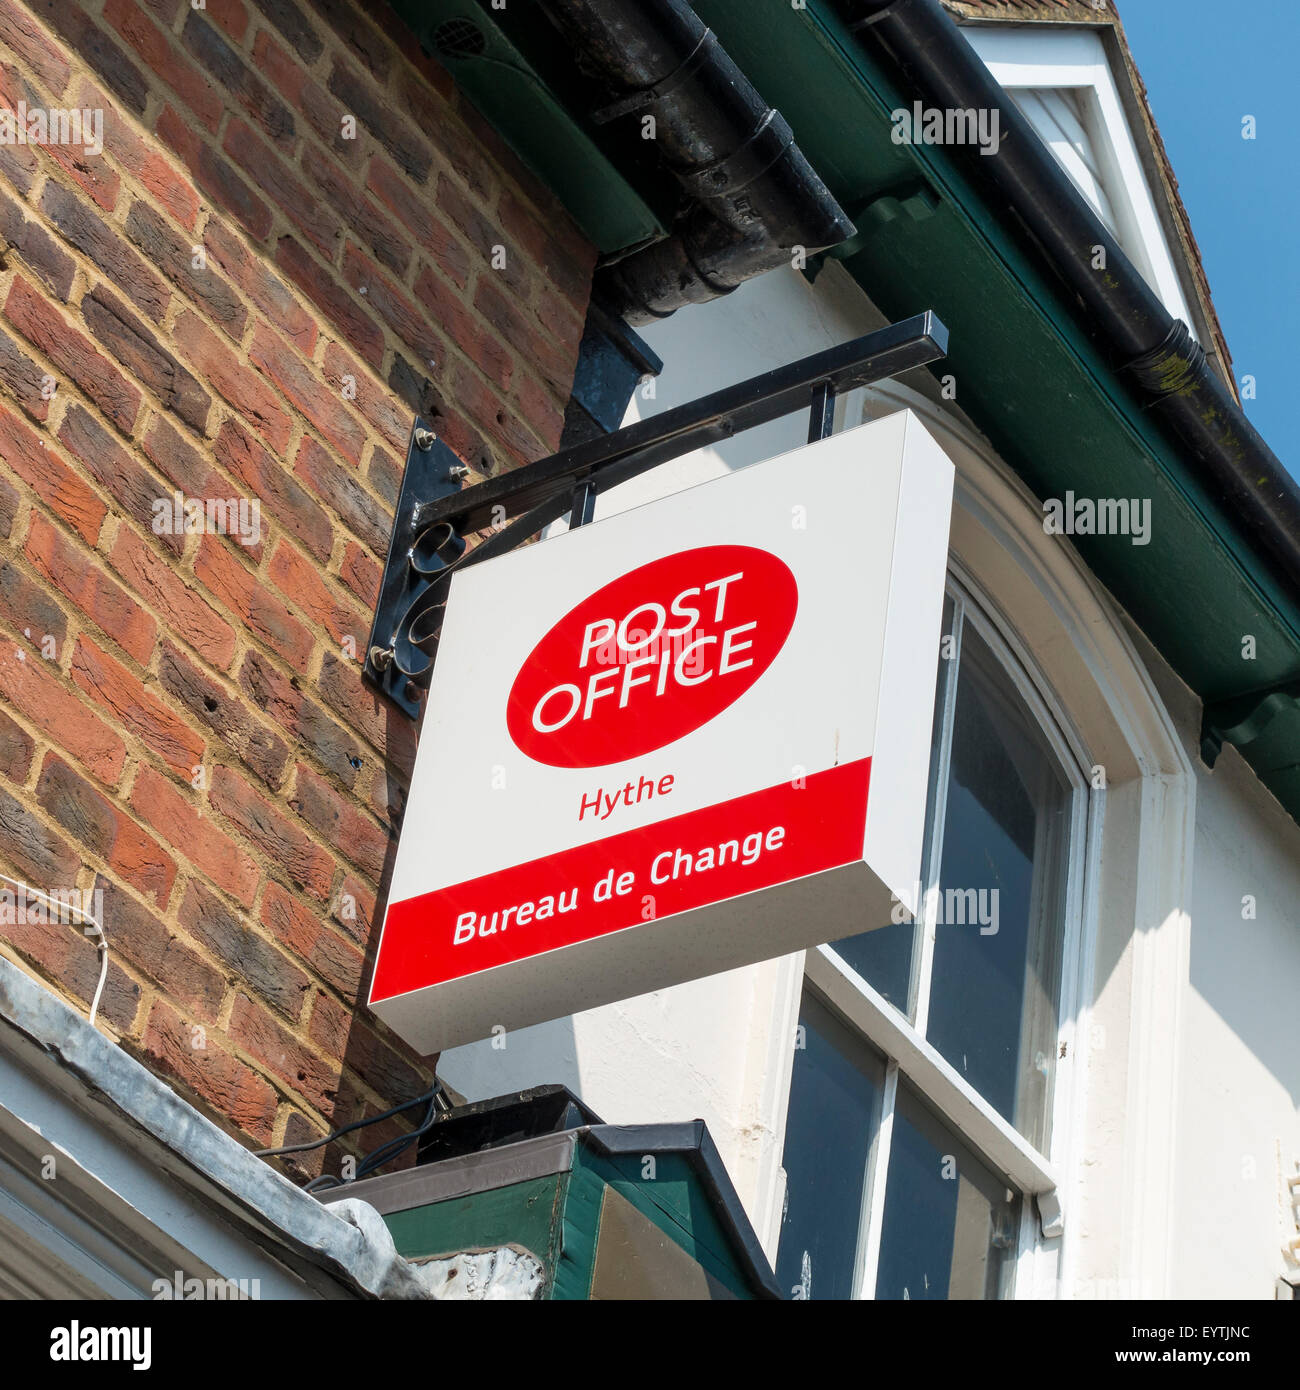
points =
(609, 885)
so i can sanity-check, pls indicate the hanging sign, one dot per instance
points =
(687, 738)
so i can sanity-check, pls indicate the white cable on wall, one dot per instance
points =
(101, 944)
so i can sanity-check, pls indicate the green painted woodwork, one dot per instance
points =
(580, 164)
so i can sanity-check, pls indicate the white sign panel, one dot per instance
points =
(684, 739)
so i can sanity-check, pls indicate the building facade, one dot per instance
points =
(302, 224)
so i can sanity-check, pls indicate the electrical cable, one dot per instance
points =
(347, 1129)
(101, 944)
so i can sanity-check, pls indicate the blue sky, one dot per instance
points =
(1207, 64)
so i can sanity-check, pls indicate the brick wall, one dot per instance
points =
(295, 235)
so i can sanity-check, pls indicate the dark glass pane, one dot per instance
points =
(1000, 911)
(834, 1101)
(883, 957)
(949, 1228)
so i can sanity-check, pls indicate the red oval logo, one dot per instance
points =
(651, 656)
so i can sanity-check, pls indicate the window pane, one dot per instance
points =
(1000, 915)
(884, 957)
(949, 1228)
(834, 1105)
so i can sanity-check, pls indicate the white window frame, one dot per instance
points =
(1046, 56)
(910, 1056)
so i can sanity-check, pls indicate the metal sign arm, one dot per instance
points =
(434, 514)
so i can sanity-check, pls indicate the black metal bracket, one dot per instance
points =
(435, 515)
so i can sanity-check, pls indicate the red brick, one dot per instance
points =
(47, 330)
(280, 68)
(159, 953)
(296, 379)
(466, 329)
(20, 32)
(106, 831)
(268, 292)
(300, 718)
(125, 697)
(310, 215)
(16, 749)
(99, 50)
(8, 507)
(31, 849)
(300, 582)
(366, 711)
(301, 1071)
(245, 954)
(405, 318)
(419, 219)
(245, 459)
(183, 825)
(362, 514)
(559, 248)
(102, 244)
(225, 576)
(105, 603)
(377, 404)
(240, 386)
(173, 192)
(33, 690)
(538, 407)
(230, 1091)
(232, 72)
(215, 176)
(174, 256)
(69, 959)
(283, 843)
(178, 460)
(298, 926)
(354, 909)
(343, 1033)
(337, 819)
(394, 131)
(39, 251)
(134, 490)
(96, 177)
(28, 605)
(24, 378)
(361, 574)
(181, 609)
(193, 86)
(336, 303)
(553, 362)
(386, 241)
(147, 360)
(226, 714)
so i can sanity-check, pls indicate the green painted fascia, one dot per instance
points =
(673, 1199)
(581, 164)
(523, 1213)
(1025, 370)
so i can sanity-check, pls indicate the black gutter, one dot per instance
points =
(751, 197)
(1153, 352)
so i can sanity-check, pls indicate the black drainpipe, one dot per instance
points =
(751, 197)
(1153, 352)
